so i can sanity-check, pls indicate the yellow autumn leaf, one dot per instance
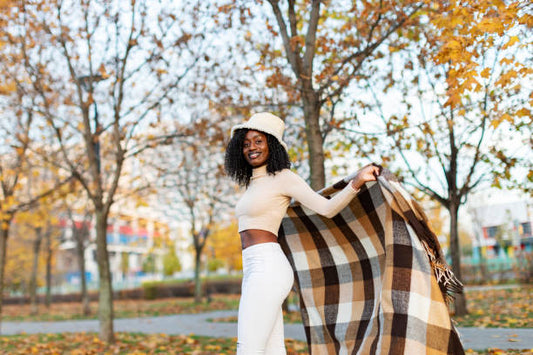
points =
(141, 203)
(6, 88)
(103, 71)
(506, 61)
(485, 73)
(492, 24)
(495, 123)
(523, 112)
(453, 45)
(512, 40)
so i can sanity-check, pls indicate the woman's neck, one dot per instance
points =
(259, 171)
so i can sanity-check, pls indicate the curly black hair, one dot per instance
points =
(240, 170)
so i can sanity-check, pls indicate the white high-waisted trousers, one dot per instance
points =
(267, 280)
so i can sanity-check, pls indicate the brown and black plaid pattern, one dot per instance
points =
(365, 280)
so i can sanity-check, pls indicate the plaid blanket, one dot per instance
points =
(372, 279)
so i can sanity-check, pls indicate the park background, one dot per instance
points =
(115, 117)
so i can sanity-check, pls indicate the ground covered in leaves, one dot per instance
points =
(501, 352)
(488, 308)
(137, 344)
(126, 343)
(510, 308)
(499, 308)
(122, 308)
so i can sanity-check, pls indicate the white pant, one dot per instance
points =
(267, 280)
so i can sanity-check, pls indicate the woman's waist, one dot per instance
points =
(264, 223)
(251, 237)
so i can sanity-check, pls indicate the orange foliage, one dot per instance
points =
(465, 32)
(226, 245)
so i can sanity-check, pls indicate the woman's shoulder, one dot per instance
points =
(284, 172)
(281, 174)
(287, 174)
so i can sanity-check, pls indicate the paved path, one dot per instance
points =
(473, 338)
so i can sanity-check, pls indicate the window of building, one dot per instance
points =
(526, 229)
(492, 231)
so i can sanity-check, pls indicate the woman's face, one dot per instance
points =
(255, 148)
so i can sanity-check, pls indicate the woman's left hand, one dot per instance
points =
(367, 173)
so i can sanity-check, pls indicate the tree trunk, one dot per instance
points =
(34, 308)
(4, 234)
(314, 138)
(197, 281)
(80, 251)
(455, 251)
(105, 292)
(48, 236)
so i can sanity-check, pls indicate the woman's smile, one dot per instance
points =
(254, 155)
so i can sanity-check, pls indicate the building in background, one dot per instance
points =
(502, 229)
(136, 248)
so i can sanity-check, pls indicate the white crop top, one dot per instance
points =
(265, 201)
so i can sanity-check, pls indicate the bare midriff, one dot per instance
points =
(251, 237)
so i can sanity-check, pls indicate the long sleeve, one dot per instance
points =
(296, 188)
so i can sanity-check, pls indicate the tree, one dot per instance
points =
(74, 206)
(315, 52)
(193, 185)
(80, 233)
(17, 163)
(462, 100)
(19, 263)
(171, 262)
(37, 221)
(30, 235)
(124, 264)
(41, 225)
(98, 71)
(226, 245)
(149, 264)
(43, 220)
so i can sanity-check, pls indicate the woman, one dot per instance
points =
(257, 158)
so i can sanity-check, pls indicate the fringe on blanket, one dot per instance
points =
(448, 282)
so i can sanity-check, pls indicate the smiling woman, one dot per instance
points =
(257, 158)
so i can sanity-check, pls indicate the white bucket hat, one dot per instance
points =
(264, 122)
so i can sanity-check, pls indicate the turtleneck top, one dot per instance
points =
(265, 201)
